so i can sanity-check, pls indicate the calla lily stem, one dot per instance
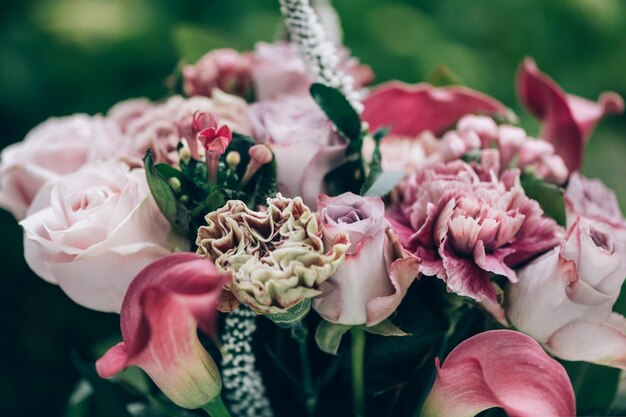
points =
(216, 408)
(358, 371)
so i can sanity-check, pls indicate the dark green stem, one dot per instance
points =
(300, 333)
(358, 371)
(216, 408)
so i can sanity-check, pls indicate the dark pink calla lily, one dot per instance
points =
(500, 368)
(163, 308)
(567, 120)
(409, 110)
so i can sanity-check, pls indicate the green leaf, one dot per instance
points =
(338, 109)
(595, 386)
(79, 403)
(193, 41)
(442, 76)
(293, 315)
(549, 196)
(174, 211)
(386, 328)
(110, 399)
(382, 184)
(328, 336)
(266, 183)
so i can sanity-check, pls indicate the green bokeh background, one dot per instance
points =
(59, 57)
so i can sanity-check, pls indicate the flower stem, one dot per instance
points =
(212, 162)
(300, 333)
(216, 408)
(358, 374)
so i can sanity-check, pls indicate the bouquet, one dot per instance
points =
(284, 240)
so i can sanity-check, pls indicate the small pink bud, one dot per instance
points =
(215, 141)
(189, 127)
(259, 156)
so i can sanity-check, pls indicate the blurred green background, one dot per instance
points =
(59, 57)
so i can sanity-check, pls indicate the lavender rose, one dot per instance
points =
(303, 141)
(376, 274)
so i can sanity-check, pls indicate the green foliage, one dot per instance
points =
(379, 183)
(338, 109)
(328, 336)
(595, 386)
(442, 76)
(549, 196)
(295, 314)
(174, 211)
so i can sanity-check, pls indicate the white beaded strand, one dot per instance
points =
(243, 385)
(318, 54)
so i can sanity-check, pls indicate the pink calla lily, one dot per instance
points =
(500, 368)
(163, 308)
(567, 120)
(412, 109)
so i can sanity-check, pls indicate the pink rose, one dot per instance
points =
(565, 298)
(304, 142)
(592, 199)
(225, 69)
(56, 147)
(165, 306)
(278, 70)
(500, 368)
(567, 120)
(157, 126)
(376, 274)
(465, 228)
(92, 231)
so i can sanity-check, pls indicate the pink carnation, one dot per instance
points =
(515, 148)
(464, 227)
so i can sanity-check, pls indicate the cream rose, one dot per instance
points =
(92, 231)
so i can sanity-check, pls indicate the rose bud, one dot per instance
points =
(565, 298)
(92, 231)
(259, 156)
(500, 368)
(277, 256)
(376, 274)
(225, 69)
(166, 304)
(568, 121)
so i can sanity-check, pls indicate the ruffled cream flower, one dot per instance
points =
(277, 256)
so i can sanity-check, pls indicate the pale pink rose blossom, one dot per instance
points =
(157, 126)
(54, 148)
(166, 304)
(592, 199)
(92, 231)
(278, 70)
(225, 69)
(376, 274)
(504, 369)
(304, 143)
(565, 298)
(465, 228)
(567, 120)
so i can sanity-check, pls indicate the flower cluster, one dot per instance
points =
(259, 194)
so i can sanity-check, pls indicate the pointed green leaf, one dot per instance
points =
(174, 211)
(293, 315)
(328, 336)
(386, 328)
(595, 386)
(442, 76)
(382, 184)
(338, 109)
(549, 196)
